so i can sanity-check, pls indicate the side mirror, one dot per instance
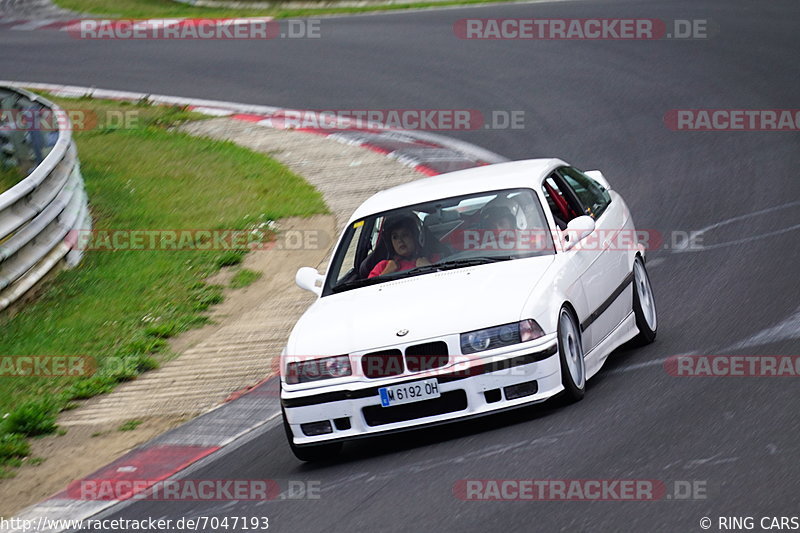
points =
(597, 176)
(577, 229)
(309, 279)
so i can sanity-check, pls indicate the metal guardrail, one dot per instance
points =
(38, 213)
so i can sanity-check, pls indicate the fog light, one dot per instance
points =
(520, 390)
(316, 428)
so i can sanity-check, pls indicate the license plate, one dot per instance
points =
(409, 392)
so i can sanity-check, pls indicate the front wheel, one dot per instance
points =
(570, 353)
(644, 305)
(311, 453)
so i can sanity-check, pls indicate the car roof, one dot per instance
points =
(528, 173)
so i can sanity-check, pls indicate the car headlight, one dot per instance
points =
(498, 336)
(318, 369)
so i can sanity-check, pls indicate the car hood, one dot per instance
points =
(428, 306)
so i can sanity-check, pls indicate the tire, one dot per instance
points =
(644, 305)
(311, 453)
(570, 355)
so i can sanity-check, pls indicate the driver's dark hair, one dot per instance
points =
(394, 222)
(495, 213)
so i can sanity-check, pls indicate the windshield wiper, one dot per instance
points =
(456, 263)
(346, 286)
(468, 261)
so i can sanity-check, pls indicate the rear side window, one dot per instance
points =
(592, 195)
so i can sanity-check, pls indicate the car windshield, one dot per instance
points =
(443, 234)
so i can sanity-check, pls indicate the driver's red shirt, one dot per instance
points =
(404, 264)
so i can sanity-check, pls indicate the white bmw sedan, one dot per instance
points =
(460, 295)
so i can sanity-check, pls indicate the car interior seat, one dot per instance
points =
(561, 211)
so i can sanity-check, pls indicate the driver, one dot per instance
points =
(401, 233)
(498, 218)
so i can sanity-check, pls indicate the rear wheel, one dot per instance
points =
(570, 352)
(644, 304)
(311, 453)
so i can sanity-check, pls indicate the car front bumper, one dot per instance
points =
(500, 382)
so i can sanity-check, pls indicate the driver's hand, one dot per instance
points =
(391, 266)
(423, 261)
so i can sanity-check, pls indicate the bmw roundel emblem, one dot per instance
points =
(402, 333)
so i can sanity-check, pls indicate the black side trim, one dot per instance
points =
(338, 396)
(605, 305)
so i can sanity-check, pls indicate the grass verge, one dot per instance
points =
(120, 305)
(168, 8)
(244, 277)
(130, 425)
(9, 176)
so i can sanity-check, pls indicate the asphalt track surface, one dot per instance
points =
(597, 105)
